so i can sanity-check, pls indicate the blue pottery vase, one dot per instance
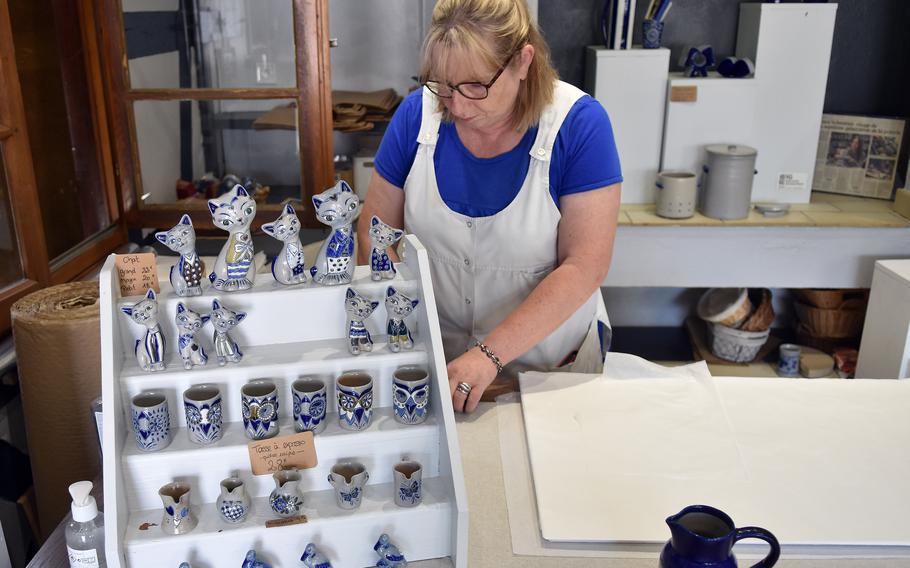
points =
(703, 537)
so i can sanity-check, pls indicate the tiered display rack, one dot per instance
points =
(289, 332)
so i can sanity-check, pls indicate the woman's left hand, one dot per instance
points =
(474, 369)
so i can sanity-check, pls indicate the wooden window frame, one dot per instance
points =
(312, 94)
(25, 209)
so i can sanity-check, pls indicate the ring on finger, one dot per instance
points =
(464, 388)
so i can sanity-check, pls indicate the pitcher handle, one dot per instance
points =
(765, 535)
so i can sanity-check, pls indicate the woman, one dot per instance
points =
(511, 181)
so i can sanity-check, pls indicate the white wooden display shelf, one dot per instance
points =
(289, 332)
(377, 514)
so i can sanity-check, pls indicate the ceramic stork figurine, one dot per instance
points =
(251, 562)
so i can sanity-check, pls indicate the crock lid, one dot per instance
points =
(732, 150)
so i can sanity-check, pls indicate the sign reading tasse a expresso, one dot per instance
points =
(274, 454)
(137, 274)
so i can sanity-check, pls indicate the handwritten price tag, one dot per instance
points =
(137, 274)
(269, 456)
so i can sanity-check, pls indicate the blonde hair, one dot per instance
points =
(491, 31)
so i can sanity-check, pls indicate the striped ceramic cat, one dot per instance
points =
(186, 276)
(224, 321)
(287, 267)
(398, 306)
(382, 236)
(188, 323)
(337, 208)
(234, 268)
(358, 309)
(149, 349)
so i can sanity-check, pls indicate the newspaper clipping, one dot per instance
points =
(857, 155)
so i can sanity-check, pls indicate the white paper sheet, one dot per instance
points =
(820, 462)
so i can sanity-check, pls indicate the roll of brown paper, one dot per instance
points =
(59, 358)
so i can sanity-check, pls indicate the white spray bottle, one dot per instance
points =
(85, 533)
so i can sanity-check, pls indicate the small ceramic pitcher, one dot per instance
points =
(151, 421)
(410, 395)
(178, 513)
(348, 479)
(260, 409)
(408, 485)
(234, 502)
(355, 400)
(704, 536)
(285, 499)
(309, 404)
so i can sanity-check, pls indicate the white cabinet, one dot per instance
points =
(288, 332)
(884, 352)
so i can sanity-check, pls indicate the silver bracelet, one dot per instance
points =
(490, 355)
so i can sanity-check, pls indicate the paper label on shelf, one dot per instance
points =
(298, 520)
(798, 181)
(83, 558)
(684, 94)
(274, 454)
(137, 273)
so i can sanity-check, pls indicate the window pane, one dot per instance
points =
(10, 264)
(209, 43)
(52, 74)
(192, 140)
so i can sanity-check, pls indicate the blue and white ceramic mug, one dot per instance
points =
(260, 409)
(310, 406)
(354, 391)
(202, 404)
(151, 421)
(410, 395)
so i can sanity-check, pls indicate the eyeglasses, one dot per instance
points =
(469, 89)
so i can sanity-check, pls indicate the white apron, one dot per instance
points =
(484, 267)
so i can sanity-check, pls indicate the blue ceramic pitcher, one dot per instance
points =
(703, 537)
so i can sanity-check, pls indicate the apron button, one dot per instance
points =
(541, 152)
(467, 301)
(467, 262)
(470, 224)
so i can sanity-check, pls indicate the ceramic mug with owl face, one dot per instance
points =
(309, 404)
(259, 400)
(202, 404)
(410, 395)
(355, 400)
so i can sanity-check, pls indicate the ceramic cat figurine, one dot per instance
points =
(382, 236)
(224, 321)
(398, 306)
(336, 207)
(287, 267)
(186, 276)
(358, 309)
(234, 268)
(188, 323)
(149, 349)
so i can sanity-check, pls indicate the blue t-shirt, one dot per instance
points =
(584, 157)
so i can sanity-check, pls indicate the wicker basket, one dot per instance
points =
(826, 344)
(736, 345)
(830, 323)
(726, 306)
(832, 299)
(763, 315)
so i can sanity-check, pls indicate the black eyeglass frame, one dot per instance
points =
(457, 87)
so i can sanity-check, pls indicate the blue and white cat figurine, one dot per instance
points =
(382, 237)
(150, 349)
(389, 555)
(287, 267)
(398, 307)
(358, 309)
(188, 323)
(234, 269)
(312, 558)
(337, 207)
(224, 320)
(187, 275)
